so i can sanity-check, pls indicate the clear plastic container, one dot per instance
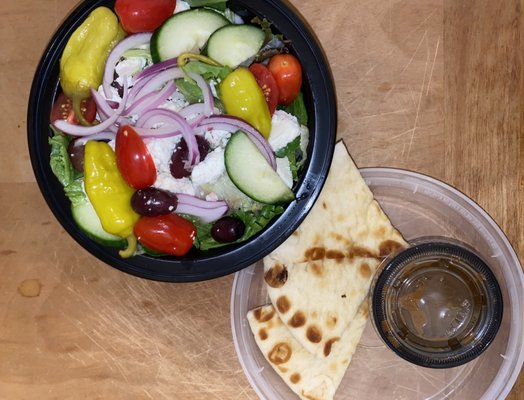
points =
(418, 206)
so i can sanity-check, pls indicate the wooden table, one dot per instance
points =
(431, 86)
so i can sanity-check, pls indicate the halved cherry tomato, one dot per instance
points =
(143, 15)
(169, 234)
(288, 73)
(63, 109)
(267, 83)
(133, 159)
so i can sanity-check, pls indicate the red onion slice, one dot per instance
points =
(187, 132)
(102, 106)
(192, 109)
(155, 68)
(189, 199)
(229, 123)
(157, 116)
(151, 100)
(206, 93)
(115, 54)
(79, 130)
(206, 215)
(96, 136)
(155, 82)
(206, 211)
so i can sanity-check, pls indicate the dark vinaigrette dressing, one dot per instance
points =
(437, 304)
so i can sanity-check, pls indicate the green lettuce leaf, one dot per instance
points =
(70, 178)
(216, 4)
(207, 71)
(298, 109)
(293, 152)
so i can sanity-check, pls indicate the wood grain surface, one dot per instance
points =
(433, 86)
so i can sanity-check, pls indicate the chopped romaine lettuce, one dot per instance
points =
(216, 4)
(62, 168)
(293, 152)
(298, 109)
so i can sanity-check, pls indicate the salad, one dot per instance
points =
(178, 125)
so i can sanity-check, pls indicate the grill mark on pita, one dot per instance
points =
(295, 378)
(280, 353)
(389, 246)
(317, 269)
(315, 253)
(263, 315)
(297, 320)
(262, 333)
(276, 276)
(329, 344)
(324, 205)
(283, 304)
(331, 321)
(314, 334)
(365, 270)
(362, 252)
(339, 238)
(336, 255)
(380, 231)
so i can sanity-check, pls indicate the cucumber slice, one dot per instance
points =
(87, 220)
(252, 174)
(185, 31)
(231, 45)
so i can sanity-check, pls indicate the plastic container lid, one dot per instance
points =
(436, 304)
(418, 206)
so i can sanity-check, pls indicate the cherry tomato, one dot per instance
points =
(133, 159)
(288, 73)
(267, 83)
(63, 109)
(143, 15)
(169, 234)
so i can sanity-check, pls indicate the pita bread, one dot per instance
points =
(319, 276)
(310, 377)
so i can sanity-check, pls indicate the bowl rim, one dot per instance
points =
(509, 371)
(319, 83)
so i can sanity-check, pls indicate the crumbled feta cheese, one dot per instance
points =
(161, 150)
(175, 103)
(284, 171)
(217, 138)
(181, 6)
(210, 169)
(166, 181)
(284, 128)
(130, 66)
(212, 85)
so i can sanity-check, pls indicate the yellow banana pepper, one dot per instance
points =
(109, 193)
(85, 54)
(243, 98)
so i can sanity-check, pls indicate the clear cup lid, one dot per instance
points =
(436, 304)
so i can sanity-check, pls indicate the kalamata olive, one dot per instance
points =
(151, 202)
(76, 154)
(180, 157)
(227, 229)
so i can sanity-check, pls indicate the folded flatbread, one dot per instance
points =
(310, 377)
(320, 275)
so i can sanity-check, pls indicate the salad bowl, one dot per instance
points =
(320, 103)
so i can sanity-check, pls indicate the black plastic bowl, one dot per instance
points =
(320, 99)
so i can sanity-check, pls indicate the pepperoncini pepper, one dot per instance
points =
(109, 193)
(85, 54)
(243, 98)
